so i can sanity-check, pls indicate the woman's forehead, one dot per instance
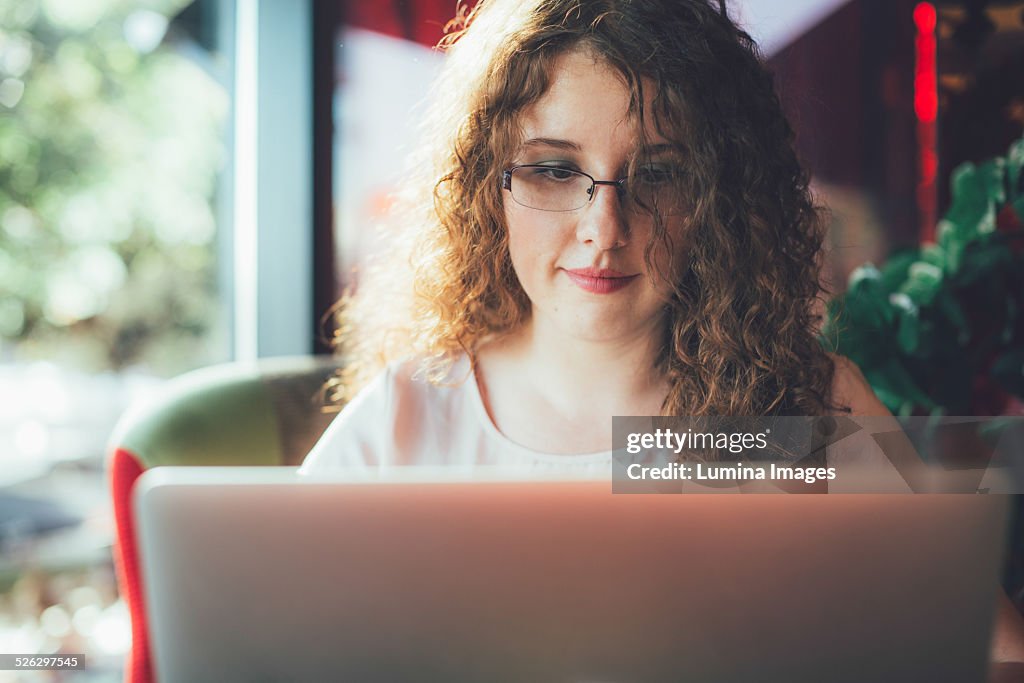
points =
(587, 102)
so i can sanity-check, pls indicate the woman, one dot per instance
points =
(687, 289)
(611, 221)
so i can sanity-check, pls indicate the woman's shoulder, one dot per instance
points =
(851, 389)
(411, 379)
(390, 419)
(417, 379)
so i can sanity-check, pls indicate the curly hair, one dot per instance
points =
(735, 345)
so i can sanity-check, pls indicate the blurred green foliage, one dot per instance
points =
(940, 328)
(110, 146)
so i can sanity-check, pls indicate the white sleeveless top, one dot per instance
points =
(402, 419)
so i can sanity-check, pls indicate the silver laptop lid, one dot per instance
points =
(257, 575)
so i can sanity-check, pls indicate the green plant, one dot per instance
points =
(940, 328)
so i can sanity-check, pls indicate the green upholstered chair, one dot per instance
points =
(269, 412)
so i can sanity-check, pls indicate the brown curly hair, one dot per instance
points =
(741, 338)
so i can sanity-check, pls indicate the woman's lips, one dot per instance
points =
(599, 280)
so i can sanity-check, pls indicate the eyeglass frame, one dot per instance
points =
(506, 184)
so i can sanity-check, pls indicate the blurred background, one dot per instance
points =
(188, 182)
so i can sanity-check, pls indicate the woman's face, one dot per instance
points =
(584, 270)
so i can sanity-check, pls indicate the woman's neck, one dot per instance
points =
(586, 379)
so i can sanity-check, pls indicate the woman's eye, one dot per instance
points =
(553, 173)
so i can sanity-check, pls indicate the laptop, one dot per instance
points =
(259, 574)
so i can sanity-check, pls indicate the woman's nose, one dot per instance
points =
(602, 221)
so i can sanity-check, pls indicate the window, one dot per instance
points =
(113, 137)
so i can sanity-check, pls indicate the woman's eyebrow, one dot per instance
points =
(575, 147)
(552, 142)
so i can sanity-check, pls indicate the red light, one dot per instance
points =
(926, 96)
(929, 167)
(926, 107)
(924, 17)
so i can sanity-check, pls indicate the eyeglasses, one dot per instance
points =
(556, 188)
